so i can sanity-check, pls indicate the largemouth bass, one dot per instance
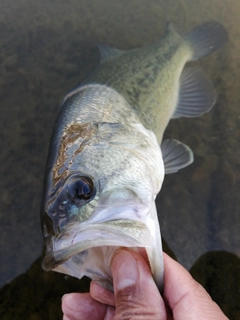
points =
(105, 166)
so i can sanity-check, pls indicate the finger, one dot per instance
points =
(186, 298)
(101, 294)
(110, 313)
(81, 306)
(105, 296)
(136, 293)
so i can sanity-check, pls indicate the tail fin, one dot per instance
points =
(206, 38)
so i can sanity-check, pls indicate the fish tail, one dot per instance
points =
(206, 38)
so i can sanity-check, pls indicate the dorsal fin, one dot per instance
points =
(107, 53)
(169, 29)
(176, 155)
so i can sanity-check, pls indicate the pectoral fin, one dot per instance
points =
(176, 155)
(196, 94)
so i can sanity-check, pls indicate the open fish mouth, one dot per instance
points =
(87, 249)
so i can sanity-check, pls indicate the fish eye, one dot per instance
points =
(81, 189)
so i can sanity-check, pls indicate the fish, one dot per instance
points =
(107, 157)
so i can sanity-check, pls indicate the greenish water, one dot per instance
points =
(46, 48)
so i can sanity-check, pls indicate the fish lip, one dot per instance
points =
(113, 236)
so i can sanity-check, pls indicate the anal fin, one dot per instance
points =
(196, 94)
(176, 155)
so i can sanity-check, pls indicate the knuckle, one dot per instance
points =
(131, 304)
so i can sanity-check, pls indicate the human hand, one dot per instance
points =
(136, 295)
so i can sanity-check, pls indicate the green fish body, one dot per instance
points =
(154, 79)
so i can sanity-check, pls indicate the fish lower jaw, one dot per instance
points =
(89, 251)
(94, 263)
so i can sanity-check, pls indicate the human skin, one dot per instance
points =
(136, 295)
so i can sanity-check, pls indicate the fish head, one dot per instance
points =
(100, 195)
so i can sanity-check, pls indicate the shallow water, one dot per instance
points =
(46, 48)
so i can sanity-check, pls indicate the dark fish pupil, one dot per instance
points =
(86, 190)
(83, 189)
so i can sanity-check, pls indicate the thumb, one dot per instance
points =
(136, 294)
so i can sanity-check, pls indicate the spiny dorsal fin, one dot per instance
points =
(169, 28)
(176, 155)
(196, 94)
(107, 52)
